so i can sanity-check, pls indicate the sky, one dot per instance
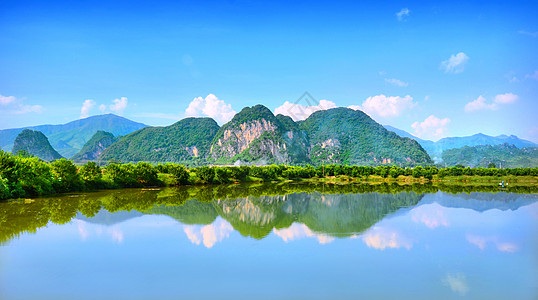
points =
(434, 69)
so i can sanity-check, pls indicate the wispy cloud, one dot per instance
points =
(455, 64)
(431, 128)
(396, 82)
(385, 106)
(532, 76)
(457, 283)
(212, 107)
(403, 14)
(533, 34)
(13, 105)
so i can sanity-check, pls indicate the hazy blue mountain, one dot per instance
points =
(36, 144)
(436, 149)
(505, 156)
(69, 138)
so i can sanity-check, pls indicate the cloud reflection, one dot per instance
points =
(431, 215)
(210, 234)
(298, 231)
(85, 230)
(481, 242)
(381, 238)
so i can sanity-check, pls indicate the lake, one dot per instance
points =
(272, 241)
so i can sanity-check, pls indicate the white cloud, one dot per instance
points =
(119, 105)
(300, 112)
(396, 82)
(431, 128)
(298, 231)
(505, 98)
(457, 283)
(87, 105)
(455, 64)
(211, 107)
(12, 105)
(381, 238)
(384, 106)
(532, 76)
(481, 103)
(402, 14)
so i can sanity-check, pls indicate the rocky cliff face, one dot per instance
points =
(256, 136)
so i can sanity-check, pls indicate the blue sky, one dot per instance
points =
(434, 69)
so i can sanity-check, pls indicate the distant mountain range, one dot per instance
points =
(256, 136)
(436, 149)
(69, 138)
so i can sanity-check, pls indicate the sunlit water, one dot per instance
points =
(165, 244)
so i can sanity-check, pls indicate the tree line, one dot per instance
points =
(24, 176)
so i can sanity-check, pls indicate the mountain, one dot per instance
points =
(69, 138)
(187, 140)
(95, 146)
(505, 156)
(436, 149)
(36, 144)
(256, 135)
(343, 135)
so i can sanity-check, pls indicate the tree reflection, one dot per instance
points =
(253, 210)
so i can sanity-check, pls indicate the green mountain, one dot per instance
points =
(187, 140)
(95, 146)
(69, 138)
(505, 156)
(256, 135)
(36, 144)
(343, 135)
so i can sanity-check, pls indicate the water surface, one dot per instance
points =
(271, 242)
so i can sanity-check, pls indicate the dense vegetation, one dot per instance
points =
(35, 143)
(69, 138)
(95, 146)
(22, 176)
(507, 156)
(358, 140)
(188, 140)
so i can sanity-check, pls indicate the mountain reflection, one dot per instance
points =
(290, 211)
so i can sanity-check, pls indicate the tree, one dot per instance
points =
(66, 177)
(491, 165)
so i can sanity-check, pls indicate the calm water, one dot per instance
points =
(271, 242)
